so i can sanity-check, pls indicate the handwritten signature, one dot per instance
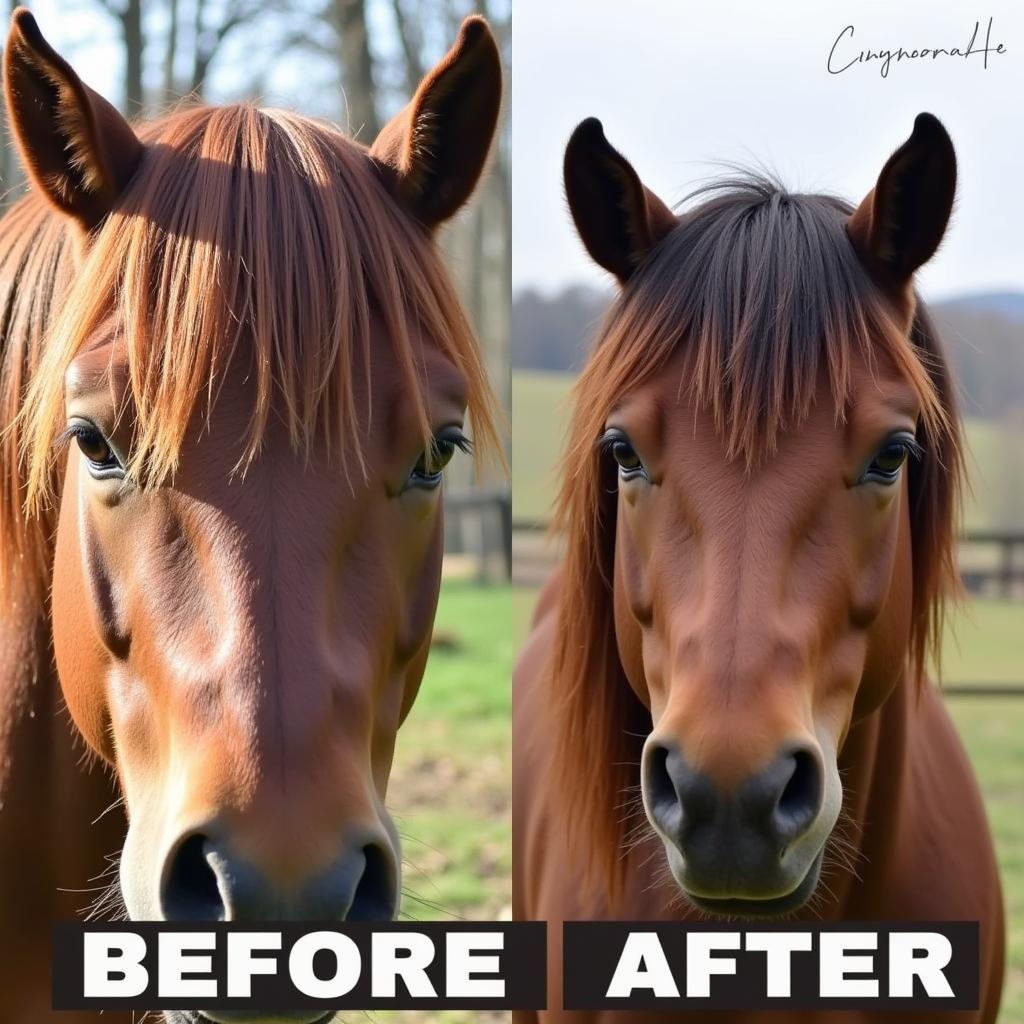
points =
(885, 58)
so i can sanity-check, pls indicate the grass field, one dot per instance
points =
(986, 643)
(451, 785)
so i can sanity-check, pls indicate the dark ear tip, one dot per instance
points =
(474, 31)
(588, 132)
(23, 21)
(928, 126)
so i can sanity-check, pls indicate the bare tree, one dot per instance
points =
(10, 167)
(171, 51)
(210, 34)
(348, 18)
(128, 15)
(211, 26)
(410, 35)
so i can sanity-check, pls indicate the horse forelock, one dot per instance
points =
(259, 235)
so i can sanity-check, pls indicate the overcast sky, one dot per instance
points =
(680, 85)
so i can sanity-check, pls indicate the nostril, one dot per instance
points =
(659, 789)
(190, 890)
(375, 898)
(800, 799)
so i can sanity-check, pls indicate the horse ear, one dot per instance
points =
(900, 223)
(618, 219)
(78, 150)
(435, 148)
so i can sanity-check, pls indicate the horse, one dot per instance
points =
(723, 708)
(233, 371)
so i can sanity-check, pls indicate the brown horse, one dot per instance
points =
(726, 676)
(233, 370)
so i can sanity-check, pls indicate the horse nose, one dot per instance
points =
(786, 795)
(766, 813)
(203, 880)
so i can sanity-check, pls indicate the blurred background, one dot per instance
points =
(683, 88)
(357, 62)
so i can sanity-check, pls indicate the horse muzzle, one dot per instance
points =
(753, 850)
(204, 879)
(215, 871)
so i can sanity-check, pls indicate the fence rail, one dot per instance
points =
(1002, 572)
(1005, 574)
(478, 521)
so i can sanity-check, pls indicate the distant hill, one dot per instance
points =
(1008, 304)
(554, 332)
(983, 333)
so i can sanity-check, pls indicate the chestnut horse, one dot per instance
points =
(233, 370)
(722, 708)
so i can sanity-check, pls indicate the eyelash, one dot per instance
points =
(912, 450)
(86, 434)
(606, 445)
(448, 436)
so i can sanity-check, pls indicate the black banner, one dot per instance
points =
(202, 966)
(712, 966)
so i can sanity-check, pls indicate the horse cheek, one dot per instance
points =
(889, 636)
(81, 658)
(628, 632)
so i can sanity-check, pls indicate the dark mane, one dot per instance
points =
(764, 292)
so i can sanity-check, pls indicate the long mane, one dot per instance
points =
(35, 267)
(763, 291)
(245, 234)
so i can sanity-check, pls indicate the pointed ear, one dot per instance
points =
(618, 219)
(902, 220)
(78, 150)
(434, 150)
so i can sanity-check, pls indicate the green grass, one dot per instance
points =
(984, 645)
(450, 785)
(993, 732)
(450, 789)
(540, 415)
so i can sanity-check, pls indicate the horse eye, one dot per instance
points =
(433, 459)
(888, 462)
(93, 445)
(625, 456)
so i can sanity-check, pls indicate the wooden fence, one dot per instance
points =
(1002, 571)
(991, 561)
(478, 522)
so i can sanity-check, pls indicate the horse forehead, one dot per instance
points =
(666, 411)
(104, 361)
